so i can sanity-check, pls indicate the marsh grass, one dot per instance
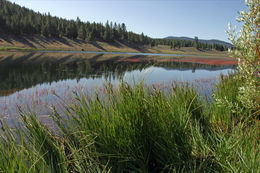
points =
(135, 128)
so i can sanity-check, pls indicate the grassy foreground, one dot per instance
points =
(138, 129)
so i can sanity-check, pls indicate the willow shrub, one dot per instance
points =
(246, 49)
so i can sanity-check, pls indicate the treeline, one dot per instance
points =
(18, 20)
(176, 44)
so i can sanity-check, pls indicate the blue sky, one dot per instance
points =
(207, 19)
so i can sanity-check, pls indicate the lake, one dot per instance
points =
(34, 80)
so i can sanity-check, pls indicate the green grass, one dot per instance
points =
(136, 128)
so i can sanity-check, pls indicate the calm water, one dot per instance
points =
(114, 53)
(30, 80)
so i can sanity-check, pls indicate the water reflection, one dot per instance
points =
(31, 79)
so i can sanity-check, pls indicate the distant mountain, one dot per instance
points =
(212, 41)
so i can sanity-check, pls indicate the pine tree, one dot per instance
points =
(82, 32)
(141, 38)
(196, 42)
(123, 35)
(44, 31)
(90, 36)
(106, 35)
(107, 32)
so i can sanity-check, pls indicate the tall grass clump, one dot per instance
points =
(138, 128)
(34, 148)
(16, 154)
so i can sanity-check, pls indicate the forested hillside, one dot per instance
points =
(17, 20)
(20, 20)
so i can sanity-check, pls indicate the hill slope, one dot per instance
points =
(38, 42)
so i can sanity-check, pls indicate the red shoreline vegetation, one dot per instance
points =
(208, 61)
